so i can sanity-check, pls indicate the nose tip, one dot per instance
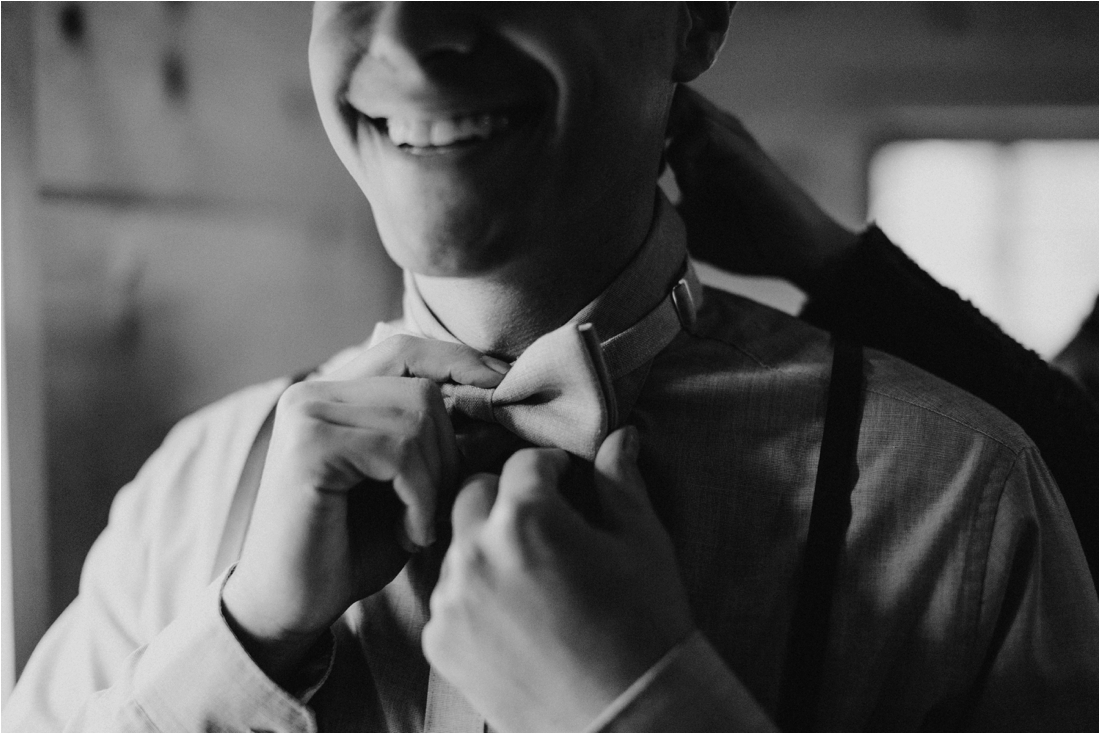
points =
(421, 32)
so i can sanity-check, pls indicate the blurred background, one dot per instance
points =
(175, 225)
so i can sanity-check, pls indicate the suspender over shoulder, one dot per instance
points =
(800, 685)
(244, 497)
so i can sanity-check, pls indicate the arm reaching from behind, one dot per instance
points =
(743, 214)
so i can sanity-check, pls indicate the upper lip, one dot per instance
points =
(438, 108)
(381, 94)
(380, 99)
(379, 116)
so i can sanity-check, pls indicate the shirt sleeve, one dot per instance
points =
(1037, 632)
(144, 646)
(194, 676)
(689, 689)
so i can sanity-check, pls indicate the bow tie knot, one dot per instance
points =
(558, 393)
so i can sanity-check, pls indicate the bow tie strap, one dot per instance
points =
(558, 393)
(632, 348)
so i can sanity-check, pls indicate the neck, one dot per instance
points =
(502, 312)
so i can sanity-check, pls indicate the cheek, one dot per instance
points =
(616, 144)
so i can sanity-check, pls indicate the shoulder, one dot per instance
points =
(207, 441)
(790, 354)
(173, 512)
(224, 422)
(197, 467)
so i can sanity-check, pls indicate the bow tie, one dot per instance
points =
(560, 391)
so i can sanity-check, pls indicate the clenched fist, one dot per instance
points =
(355, 468)
(540, 618)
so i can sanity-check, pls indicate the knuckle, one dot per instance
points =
(293, 397)
(521, 544)
(525, 461)
(536, 464)
(432, 638)
(302, 403)
(470, 560)
(440, 638)
(397, 344)
(416, 423)
(522, 520)
(392, 353)
(301, 430)
(405, 449)
(466, 566)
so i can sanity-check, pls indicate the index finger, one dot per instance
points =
(404, 355)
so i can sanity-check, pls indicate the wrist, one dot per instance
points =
(626, 659)
(278, 653)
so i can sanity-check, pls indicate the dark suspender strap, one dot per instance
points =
(240, 509)
(800, 686)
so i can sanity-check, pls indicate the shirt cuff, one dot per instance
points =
(314, 669)
(689, 689)
(195, 676)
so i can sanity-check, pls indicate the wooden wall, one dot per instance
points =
(194, 234)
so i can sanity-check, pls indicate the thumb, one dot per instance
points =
(622, 490)
(404, 355)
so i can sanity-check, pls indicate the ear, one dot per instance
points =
(703, 33)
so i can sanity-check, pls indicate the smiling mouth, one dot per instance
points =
(442, 134)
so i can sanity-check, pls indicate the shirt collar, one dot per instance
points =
(648, 278)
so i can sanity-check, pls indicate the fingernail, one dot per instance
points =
(495, 364)
(631, 442)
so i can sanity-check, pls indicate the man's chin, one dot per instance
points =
(444, 255)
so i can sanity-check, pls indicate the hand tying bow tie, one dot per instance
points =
(559, 392)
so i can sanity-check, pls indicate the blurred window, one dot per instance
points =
(1013, 227)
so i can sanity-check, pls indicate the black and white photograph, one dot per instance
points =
(550, 366)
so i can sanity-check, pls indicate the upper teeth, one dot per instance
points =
(439, 132)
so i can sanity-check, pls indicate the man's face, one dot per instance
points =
(484, 132)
